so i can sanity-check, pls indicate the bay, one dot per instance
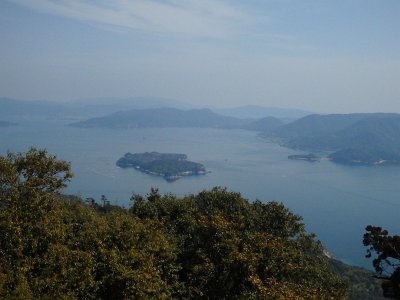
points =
(335, 201)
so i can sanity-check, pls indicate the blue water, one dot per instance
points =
(336, 202)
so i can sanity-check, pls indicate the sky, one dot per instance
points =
(336, 56)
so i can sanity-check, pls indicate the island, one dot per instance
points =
(171, 166)
(307, 157)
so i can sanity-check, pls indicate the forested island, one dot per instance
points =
(171, 166)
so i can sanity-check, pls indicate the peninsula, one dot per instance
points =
(171, 166)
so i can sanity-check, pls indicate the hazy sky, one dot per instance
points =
(324, 56)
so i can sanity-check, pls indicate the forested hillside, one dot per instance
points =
(212, 245)
(172, 117)
(163, 117)
(356, 138)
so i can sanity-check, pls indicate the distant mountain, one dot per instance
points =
(95, 107)
(103, 106)
(257, 112)
(317, 125)
(172, 117)
(355, 138)
(267, 124)
(163, 117)
(83, 108)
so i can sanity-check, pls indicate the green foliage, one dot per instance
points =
(213, 245)
(386, 263)
(362, 283)
(29, 222)
(233, 249)
(63, 249)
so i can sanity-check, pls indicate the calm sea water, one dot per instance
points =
(336, 202)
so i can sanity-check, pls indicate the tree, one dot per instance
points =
(232, 249)
(213, 245)
(386, 263)
(56, 247)
(29, 216)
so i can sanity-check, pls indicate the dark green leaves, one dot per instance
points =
(386, 251)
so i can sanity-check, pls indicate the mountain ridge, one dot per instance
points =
(173, 117)
(363, 138)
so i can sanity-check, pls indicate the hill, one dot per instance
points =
(132, 112)
(162, 117)
(354, 138)
(267, 124)
(94, 107)
(172, 117)
(318, 125)
(362, 284)
(256, 111)
(83, 108)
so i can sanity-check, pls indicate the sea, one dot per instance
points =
(335, 201)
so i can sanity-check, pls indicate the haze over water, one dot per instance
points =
(336, 202)
(322, 56)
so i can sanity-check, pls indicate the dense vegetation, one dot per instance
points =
(363, 285)
(171, 166)
(213, 245)
(387, 259)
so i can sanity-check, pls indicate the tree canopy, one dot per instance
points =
(386, 262)
(212, 245)
(233, 249)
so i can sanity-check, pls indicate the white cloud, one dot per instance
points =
(191, 18)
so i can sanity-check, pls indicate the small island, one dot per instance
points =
(307, 157)
(171, 166)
